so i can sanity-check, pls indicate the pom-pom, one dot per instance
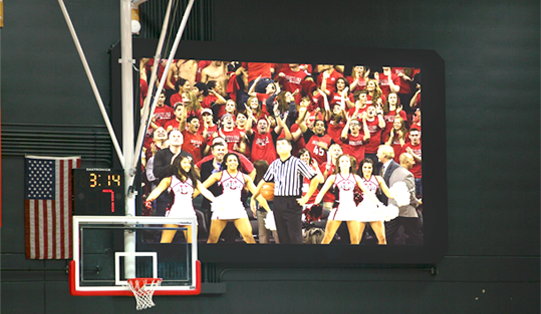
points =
(147, 208)
(400, 193)
(269, 221)
(389, 212)
(357, 195)
(313, 213)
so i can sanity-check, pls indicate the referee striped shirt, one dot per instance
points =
(287, 176)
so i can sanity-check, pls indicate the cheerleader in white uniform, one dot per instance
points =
(344, 179)
(370, 211)
(183, 187)
(229, 206)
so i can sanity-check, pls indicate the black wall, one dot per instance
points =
(491, 51)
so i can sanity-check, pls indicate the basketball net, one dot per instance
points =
(143, 289)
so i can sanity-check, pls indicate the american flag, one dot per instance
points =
(47, 205)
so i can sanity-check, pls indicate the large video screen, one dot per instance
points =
(362, 131)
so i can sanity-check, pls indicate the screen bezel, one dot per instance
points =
(433, 139)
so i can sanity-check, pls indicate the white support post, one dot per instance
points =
(126, 62)
(166, 70)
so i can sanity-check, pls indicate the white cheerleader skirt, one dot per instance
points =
(344, 212)
(369, 211)
(227, 209)
(178, 211)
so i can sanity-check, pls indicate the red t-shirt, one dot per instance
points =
(295, 146)
(176, 97)
(194, 144)
(354, 146)
(331, 80)
(233, 137)
(173, 123)
(263, 147)
(210, 132)
(389, 120)
(163, 114)
(208, 100)
(292, 80)
(255, 69)
(385, 85)
(335, 130)
(417, 168)
(318, 153)
(375, 136)
(336, 98)
(351, 111)
(361, 84)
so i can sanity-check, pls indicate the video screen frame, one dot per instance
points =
(431, 67)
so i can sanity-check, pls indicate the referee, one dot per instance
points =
(287, 174)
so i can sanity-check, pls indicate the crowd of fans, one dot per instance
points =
(251, 105)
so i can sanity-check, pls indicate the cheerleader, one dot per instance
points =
(370, 212)
(183, 184)
(304, 156)
(229, 206)
(344, 180)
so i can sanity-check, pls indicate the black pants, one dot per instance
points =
(287, 215)
(412, 231)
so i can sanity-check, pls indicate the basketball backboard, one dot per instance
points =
(108, 250)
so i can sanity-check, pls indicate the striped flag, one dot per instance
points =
(48, 213)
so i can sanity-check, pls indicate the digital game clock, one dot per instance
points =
(98, 191)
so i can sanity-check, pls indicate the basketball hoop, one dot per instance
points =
(143, 289)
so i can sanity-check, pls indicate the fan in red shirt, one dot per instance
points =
(355, 140)
(375, 124)
(391, 109)
(317, 141)
(291, 77)
(162, 113)
(375, 95)
(389, 82)
(361, 105)
(258, 69)
(180, 118)
(208, 130)
(214, 98)
(233, 136)
(263, 139)
(359, 77)
(414, 149)
(341, 95)
(194, 143)
(327, 78)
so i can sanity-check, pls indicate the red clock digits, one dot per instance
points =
(112, 199)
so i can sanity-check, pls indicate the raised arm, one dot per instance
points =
(211, 180)
(252, 92)
(203, 190)
(164, 184)
(255, 194)
(383, 186)
(366, 131)
(280, 125)
(344, 134)
(324, 189)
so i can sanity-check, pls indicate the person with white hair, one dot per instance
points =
(395, 176)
